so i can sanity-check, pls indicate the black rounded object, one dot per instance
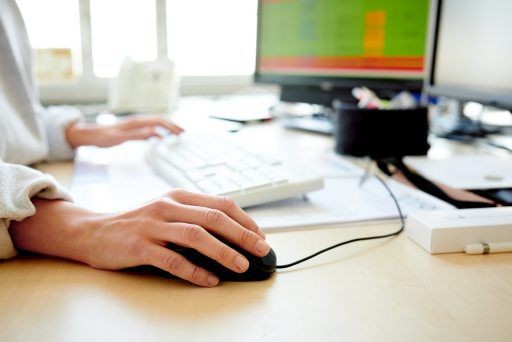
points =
(260, 268)
(378, 133)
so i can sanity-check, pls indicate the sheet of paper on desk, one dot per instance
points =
(343, 201)
(331, 164)
(474, 171)
(114, 179)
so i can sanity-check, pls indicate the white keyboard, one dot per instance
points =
(216, 164)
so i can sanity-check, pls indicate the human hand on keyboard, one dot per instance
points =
(132, 128)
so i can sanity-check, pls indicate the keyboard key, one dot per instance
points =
(195, 175)
(255, 184)
(279, 180)
(207, 185)
(228, 191)
(237, 165)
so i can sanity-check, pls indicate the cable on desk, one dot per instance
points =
(400, 230)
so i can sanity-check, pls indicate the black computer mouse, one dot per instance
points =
(260, 268)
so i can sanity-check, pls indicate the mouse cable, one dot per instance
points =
(399, 209)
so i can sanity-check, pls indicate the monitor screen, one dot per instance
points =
(471, 56)
(342, 39)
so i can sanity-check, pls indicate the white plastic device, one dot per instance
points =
(450, 231)
(144, 86)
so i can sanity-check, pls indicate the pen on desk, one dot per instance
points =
(486, 248)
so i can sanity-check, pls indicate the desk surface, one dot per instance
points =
(375, 290)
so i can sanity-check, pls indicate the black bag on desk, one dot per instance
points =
(380, 133)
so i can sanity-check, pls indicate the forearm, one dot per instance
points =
(58, 228)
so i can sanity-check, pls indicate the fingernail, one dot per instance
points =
(241, 263)
(262, 234)
(212, 280)
(262, 247)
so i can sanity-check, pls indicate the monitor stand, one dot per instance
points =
(316, 123)
(307, 117)
(315, 106)
(467, 129)
(464, 128)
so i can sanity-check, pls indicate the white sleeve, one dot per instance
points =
(56, 119)
(18, 184)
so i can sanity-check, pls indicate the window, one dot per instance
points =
(212, 37)
(53, 27)
(211, 41)
(121, 28)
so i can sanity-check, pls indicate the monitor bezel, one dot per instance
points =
(329, 83)
(459, 93)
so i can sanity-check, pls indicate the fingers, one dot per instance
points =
(178, 265)
(138, 134)
(225, 204)
(170, 126)
(150, 121)
(217, 222)
(196, 237)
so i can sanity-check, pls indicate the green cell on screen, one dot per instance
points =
(295, 28)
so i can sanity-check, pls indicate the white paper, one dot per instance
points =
(115, 179)
(343, 201)
(473, 171)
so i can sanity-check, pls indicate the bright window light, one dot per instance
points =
(210, 38)
(53, 27)
(121, 28)
(51, 23)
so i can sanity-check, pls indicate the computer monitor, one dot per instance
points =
(470, 51)
(318, 50)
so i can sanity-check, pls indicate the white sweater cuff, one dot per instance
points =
(56, 120)
(18, 184)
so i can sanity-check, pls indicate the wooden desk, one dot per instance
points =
(371, 291)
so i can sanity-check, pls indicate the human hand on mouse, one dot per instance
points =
(139, 236)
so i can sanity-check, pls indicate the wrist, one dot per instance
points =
(80, 235)
(80, 134)
(58, 228)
